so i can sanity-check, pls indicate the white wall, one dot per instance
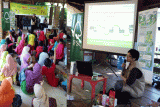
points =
(70, 11)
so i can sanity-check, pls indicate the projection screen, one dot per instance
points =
(110, 26)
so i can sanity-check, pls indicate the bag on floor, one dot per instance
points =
(17, 101)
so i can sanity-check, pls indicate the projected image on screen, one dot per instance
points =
(109, 25)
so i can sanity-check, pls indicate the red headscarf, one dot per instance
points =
(39, 49)
(41, 36)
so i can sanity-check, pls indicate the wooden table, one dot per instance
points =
(88, 79)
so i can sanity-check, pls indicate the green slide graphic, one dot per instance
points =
(114, 43)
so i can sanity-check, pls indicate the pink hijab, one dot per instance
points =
(20, 46)
(10, 68)
(23, 36)
(3, 48)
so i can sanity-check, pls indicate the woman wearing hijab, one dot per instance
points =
(42, 100)
(42, 56)
(3, 59)
(25, 51)
(33, 77)
(19, 48)
(3, 48)
(10, 68)
(3, 41)
(6, 93)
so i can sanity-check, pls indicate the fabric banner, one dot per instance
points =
(5, 20)
(76, 38)
(27, 9)
(147, 25)
(12, 20)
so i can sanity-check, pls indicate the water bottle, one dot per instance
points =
(104, 98)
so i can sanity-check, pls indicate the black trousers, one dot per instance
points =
(122, 97)
(32, 28)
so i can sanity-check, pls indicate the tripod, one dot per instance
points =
(109, 66)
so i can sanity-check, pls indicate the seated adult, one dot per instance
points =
(48, 71)
(6, 93)
(41, 99)
(132, 83)
(9, 69)
(42, 56)
(60, 51)
(33, 77)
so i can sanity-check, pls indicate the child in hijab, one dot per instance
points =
(41, 36)
(10, 68)
(25, 51)
(52, 56)
(10, 37)
(3, 48)
(3, 59)
(22, 77)
(42, 56)
(41, 99)
(19, 48)
(6, 93)
(39, 49)
(33, 77)
(51, 44)
(31, 40)
(48, 71)
(3, 41)
(60, 51)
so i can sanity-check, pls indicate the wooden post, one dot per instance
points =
(51, 14)
(62, 16)
(56, 16)
(1, 20)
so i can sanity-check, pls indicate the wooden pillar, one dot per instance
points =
(51, 14)
(56, 16)
(1, 20)
(62, 16)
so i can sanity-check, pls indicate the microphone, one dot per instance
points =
(123, 69)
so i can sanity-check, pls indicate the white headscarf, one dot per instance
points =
(41, 100)
(42, 57)
(24, 51)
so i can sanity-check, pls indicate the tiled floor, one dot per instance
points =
(55, 92)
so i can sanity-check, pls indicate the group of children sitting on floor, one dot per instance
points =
(25, 61)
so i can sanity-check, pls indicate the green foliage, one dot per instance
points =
(65, 14)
